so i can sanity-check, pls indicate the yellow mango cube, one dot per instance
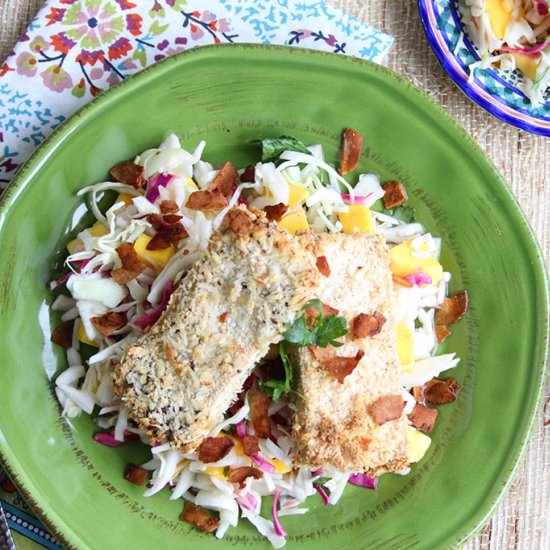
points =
(527, 65)
(417, 444)
(404, 263)
(294, 222)
(296, 195)
(280, 467)
(74, 246)
(98, 230)
(358, 219)
(191, 183)
(83, 337)
(126, 198)
(405, 344)
(216, 471)
(500, 16)
(155, 258)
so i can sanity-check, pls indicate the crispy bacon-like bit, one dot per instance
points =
(452, 309)
(239, 475)
(249, 174)
(259, 403)
(225, 180)
(275, 212)
(172, 235)
(223, 316)
(394, 194)
(323, 354)
(207, 199)
(251, 445)
(136, 475)
(129, 173)
(199, 517)
(322, 265)
(364, 325)
(169, 207)
(109, 323)
(386, 408)
(132, 266)
(441, 332)
(62, 335)
(438, 391)
(311, 313)
(423, 418)
(350, 150)
(213, 449)
(239, 222)
(340, 367)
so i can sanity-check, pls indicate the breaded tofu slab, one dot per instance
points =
(344, 425)
(181, 376)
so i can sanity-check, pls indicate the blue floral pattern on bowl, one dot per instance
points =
(497, 91)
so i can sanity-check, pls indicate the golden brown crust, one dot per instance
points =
(180, 377)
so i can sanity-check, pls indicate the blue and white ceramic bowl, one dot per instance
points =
(498, 91)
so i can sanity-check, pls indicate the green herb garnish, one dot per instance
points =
(226, 471)
(273, 147)
(277, 388)
(404, 213)
(323, 333)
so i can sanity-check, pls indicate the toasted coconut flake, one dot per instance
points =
(208, 199)
(129, 173)
(199, 517)
(239, 475)
(239, 222)
(340, 367)
(132, 266)
(62, 335)
(109, 323)
(276, 211)
(386, 408)
(423, 418)
(452, 309)
(322, 265)
(169, 207)
(225, 180)
(441, 332)
(251, 445)
(438, 391)
(350, 150)
(213, 449)
(259, 404)
(367, 325)
(136, 475)
(394, 194)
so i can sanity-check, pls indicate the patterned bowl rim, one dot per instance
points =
(474, 90)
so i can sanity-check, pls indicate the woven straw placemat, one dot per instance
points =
(522, 521)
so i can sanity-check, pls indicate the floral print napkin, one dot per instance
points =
(75, 49)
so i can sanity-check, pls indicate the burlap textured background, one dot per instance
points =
(522, 521)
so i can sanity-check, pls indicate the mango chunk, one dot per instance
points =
(404, 263)
(405, 344)
(280, 467)
(527, 65)
(296, 195)
(83, 337)
(126, 198)
(216, 471)
(155, 258)
(500, 16)
(294, 222)
(417, 444)
(358, 218)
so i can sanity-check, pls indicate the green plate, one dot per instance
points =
(231, 96)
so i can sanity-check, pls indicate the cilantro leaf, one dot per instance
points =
(298, 333)
(273, 147)
(277, 388)
(329, 329)
(404, 213)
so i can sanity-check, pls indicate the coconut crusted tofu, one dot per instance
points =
(350, 413)
(180, 377)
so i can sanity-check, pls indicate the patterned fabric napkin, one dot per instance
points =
(75, 49)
